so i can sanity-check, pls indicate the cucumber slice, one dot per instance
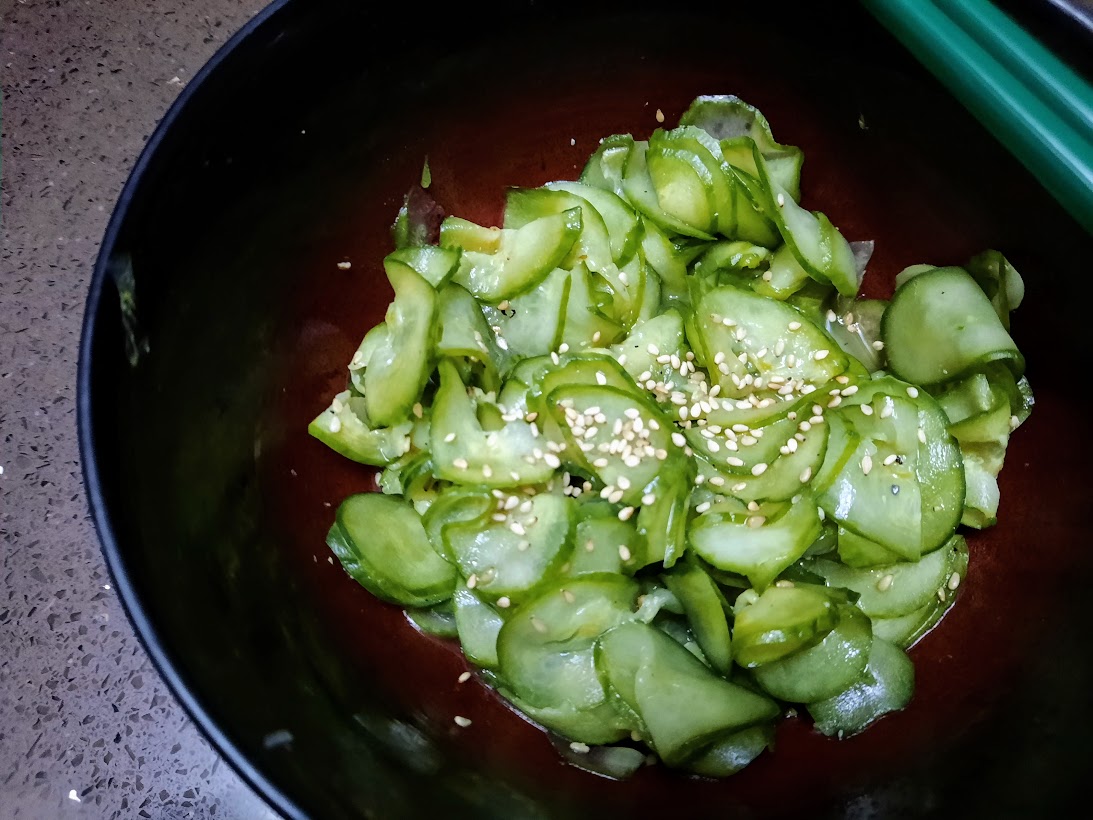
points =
(382, 544)
(402, 360)
(593, 246)
(758, 544)
(626, 459)
(465, 453)
(705, 608)
(780, 621)
(941, 325)
(545, 648)
(732, 754)
(640, 191)
(343, 427)
(508, 557)
(477, 625)
(621, 221)
(824, 670)
(682, 705)
(518, 260)
(896, 589)
(886, 686)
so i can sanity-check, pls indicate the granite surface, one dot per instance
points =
(87, 727)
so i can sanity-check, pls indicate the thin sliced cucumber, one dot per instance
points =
(781, 621)
(823, 670)
(941, 325)
(886, 686)
(381, 543)
(545, 648)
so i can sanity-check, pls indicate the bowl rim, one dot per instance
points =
(103, 519)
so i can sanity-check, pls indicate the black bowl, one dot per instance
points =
(219, 323)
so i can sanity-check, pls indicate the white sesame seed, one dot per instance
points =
(794, 325)
(756, 521)
(878, 345)
(921, 435)
(625, 513)
(866, 464)
(759, 469)
(472, 581)
(462, 721)
(624, 552)
(912, 392)
(806, 474)
(866, 409)
(335, 425)
(739, 488)
(954, 580)
(820, 354)
(466, 676)
(885, 583)
(460, 463)
(703, 507)
(648, 499)
(538, 625)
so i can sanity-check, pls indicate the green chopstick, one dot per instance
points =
(1036, 106)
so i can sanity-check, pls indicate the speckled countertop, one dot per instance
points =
(87, 727)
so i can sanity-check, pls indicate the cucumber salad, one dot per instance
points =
(648, 457)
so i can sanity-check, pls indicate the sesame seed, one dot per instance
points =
(624, 552)
(878, 345)
(794, 325)
(733, 461)
(921, 435)
(460, 463)
(660, 115)
(648, 499)
(538, 625)
(472, 581)
(517, 528)
(462, 721)
(449, 438)
(806, 474)
(885, 583)
(941, 595)
(701, 508)
(759, 469)
(820, 354)
(578, 747)
(866, 409)
(954, 580)
(739, 488)
(756, 521)
(912, 392)
(335, 425)
(625, 513)
(487, 470)
(616, 496)
(889, 459)
(866, 464)
(850, 391)
(552, 460)
(563, 348)
(569, 596)
(524, 546)
(466, 676)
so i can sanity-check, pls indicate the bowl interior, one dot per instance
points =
(293, 155)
